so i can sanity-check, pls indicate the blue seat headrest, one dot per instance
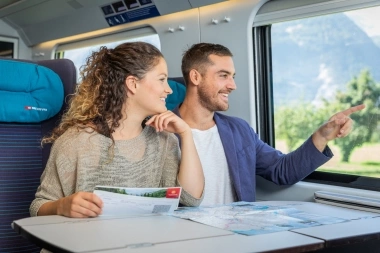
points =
(178, 95)
(29, 92)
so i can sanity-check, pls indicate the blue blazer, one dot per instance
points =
(248, 156)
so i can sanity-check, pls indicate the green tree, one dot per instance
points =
(361, 89)
(294, 124)
(297, 122)
(115, 190)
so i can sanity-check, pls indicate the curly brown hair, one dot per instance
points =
(197, 57)
(101, 95)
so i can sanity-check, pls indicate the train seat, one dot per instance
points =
(177, 84)
(32, 100)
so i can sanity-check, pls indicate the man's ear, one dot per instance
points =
(195, 76)
(131, 83)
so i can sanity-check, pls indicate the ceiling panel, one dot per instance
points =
(38, 21)
(8, 3)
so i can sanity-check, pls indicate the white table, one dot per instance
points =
(169, 234)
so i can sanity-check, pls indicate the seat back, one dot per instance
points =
(177, 84)
(22, 159)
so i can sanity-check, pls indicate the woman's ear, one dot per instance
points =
(131, 83)
(195, 77)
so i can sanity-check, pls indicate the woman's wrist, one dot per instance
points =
(186, 134)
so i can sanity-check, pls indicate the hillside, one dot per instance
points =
(314, 57)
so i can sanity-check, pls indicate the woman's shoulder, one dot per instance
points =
(76, 136)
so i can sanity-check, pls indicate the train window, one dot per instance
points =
(78, 52)
(321, 65)
(8, 47)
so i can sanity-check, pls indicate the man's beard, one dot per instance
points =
(210, 103)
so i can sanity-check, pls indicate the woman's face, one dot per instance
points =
(153, 89)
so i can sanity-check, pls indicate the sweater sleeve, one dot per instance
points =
(59, 177)
(172, 159)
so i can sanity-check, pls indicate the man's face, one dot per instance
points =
(217, 83)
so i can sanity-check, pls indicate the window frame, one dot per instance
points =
(265, 113)
(15, 45)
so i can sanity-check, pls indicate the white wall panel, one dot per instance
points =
(24, 52)
(239, 40)
(172, 43)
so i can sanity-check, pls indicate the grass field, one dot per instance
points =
(364, 161)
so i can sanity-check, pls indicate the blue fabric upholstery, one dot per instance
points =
(178, 95)
(22, 161)
(25, 92)
(20, 170)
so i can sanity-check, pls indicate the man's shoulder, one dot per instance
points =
(230, 119)
(238, 127)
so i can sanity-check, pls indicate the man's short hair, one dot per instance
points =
(197, 57)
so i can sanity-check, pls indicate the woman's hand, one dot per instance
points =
(80, 205)
(168, 121)
(190, 173)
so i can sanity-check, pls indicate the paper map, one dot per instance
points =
(252, 218)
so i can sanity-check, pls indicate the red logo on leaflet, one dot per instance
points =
(173, 193)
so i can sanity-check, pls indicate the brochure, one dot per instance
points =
(119, 201)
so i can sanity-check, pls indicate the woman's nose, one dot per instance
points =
(168, 89)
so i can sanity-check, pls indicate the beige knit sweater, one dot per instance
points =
(80, 160)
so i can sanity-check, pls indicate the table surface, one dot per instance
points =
(168, 234)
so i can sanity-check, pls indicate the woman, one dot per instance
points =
(101, 139)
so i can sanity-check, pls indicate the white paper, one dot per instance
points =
(119, 201)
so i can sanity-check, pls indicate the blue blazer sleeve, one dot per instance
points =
(248, 156)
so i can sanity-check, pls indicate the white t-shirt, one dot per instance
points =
(218, 186)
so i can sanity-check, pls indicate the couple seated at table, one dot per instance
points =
(101, 141)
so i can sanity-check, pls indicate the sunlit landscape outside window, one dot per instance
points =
(79, 55)
(322, 65)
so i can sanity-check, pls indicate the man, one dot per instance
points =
(231, 152)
